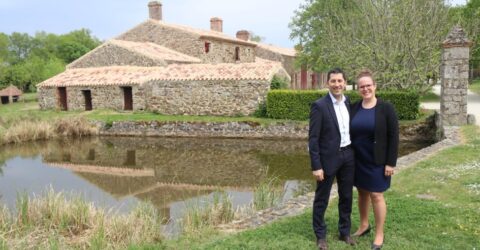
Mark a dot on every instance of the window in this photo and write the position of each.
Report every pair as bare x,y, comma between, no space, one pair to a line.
207,47
237,54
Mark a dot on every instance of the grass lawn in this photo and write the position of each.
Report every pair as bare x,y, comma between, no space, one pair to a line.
475,86
430,97
28,108
432,205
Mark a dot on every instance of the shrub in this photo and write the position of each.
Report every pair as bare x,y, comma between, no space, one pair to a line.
278,83
261,111
295,104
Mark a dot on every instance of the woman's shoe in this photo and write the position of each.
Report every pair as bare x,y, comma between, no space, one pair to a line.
367,231
376,247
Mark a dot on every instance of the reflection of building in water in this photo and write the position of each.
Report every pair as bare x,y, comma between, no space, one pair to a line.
166,170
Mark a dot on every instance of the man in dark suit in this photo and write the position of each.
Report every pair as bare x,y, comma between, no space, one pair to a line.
332,156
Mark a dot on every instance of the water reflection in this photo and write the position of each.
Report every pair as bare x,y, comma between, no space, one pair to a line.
120,171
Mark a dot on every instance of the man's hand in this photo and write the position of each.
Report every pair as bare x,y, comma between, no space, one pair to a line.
318,174
389,170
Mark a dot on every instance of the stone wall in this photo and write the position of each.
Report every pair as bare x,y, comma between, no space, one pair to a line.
110,55
214,97
206,129
288,62
422,131
47,98
103,97
189,43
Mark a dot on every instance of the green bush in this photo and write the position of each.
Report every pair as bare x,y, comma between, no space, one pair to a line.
278,83
295,104
261,111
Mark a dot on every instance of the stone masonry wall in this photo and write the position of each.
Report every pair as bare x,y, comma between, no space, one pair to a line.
282,130
47,98
110,54
288,62
188,43
214,97
205,129
224,52
103,97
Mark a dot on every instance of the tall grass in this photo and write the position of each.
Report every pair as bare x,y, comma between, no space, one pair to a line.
74,127
202,215
267,194
22,130
55,222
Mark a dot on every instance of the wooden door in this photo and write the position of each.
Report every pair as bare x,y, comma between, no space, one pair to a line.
88,99
62,95
127,98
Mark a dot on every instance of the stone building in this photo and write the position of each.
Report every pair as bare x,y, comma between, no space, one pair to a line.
10,94
170,69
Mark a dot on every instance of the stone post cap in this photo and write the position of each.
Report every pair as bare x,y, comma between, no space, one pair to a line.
456,38
243,35
154,3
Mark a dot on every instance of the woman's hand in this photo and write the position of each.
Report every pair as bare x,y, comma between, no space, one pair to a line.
389,170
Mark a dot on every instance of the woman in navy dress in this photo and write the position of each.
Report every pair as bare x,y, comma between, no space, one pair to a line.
374,133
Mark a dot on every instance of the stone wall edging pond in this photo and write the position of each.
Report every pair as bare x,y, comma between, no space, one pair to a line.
245,129
205,129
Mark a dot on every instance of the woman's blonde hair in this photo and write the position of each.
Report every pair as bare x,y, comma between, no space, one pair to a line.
366,73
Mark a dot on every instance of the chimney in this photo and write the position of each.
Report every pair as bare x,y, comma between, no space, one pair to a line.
216,24
243,35
155,10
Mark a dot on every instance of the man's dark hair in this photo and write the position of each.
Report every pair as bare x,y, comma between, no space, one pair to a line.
336,71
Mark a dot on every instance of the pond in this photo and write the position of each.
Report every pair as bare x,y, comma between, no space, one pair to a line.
118,172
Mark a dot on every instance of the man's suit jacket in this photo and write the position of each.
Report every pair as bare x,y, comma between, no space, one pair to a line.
386,132
324,135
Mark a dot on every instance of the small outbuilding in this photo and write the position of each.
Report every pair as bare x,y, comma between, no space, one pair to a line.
10,94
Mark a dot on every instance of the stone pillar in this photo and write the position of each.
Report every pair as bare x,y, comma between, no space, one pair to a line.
155,10
454,78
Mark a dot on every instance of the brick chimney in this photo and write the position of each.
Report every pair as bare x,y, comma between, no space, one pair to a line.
243,35
155,10
216,24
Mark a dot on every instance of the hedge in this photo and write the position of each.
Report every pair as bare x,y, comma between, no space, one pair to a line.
295,104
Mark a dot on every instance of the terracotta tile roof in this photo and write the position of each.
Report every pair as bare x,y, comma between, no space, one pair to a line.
10,91
203,33
222,71
279,50
128,75
155,51
114,75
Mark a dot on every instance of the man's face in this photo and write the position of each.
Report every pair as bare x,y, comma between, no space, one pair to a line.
336,84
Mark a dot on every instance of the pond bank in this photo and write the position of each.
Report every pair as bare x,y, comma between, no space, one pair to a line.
424,130
298,205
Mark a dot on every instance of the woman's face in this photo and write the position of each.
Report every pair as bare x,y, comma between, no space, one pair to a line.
366,87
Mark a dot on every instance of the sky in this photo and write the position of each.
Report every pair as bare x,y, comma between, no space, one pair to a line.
107,19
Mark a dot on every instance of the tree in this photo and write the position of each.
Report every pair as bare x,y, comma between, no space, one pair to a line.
398,40
256,38
468,17
75,44
26,61
20,46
